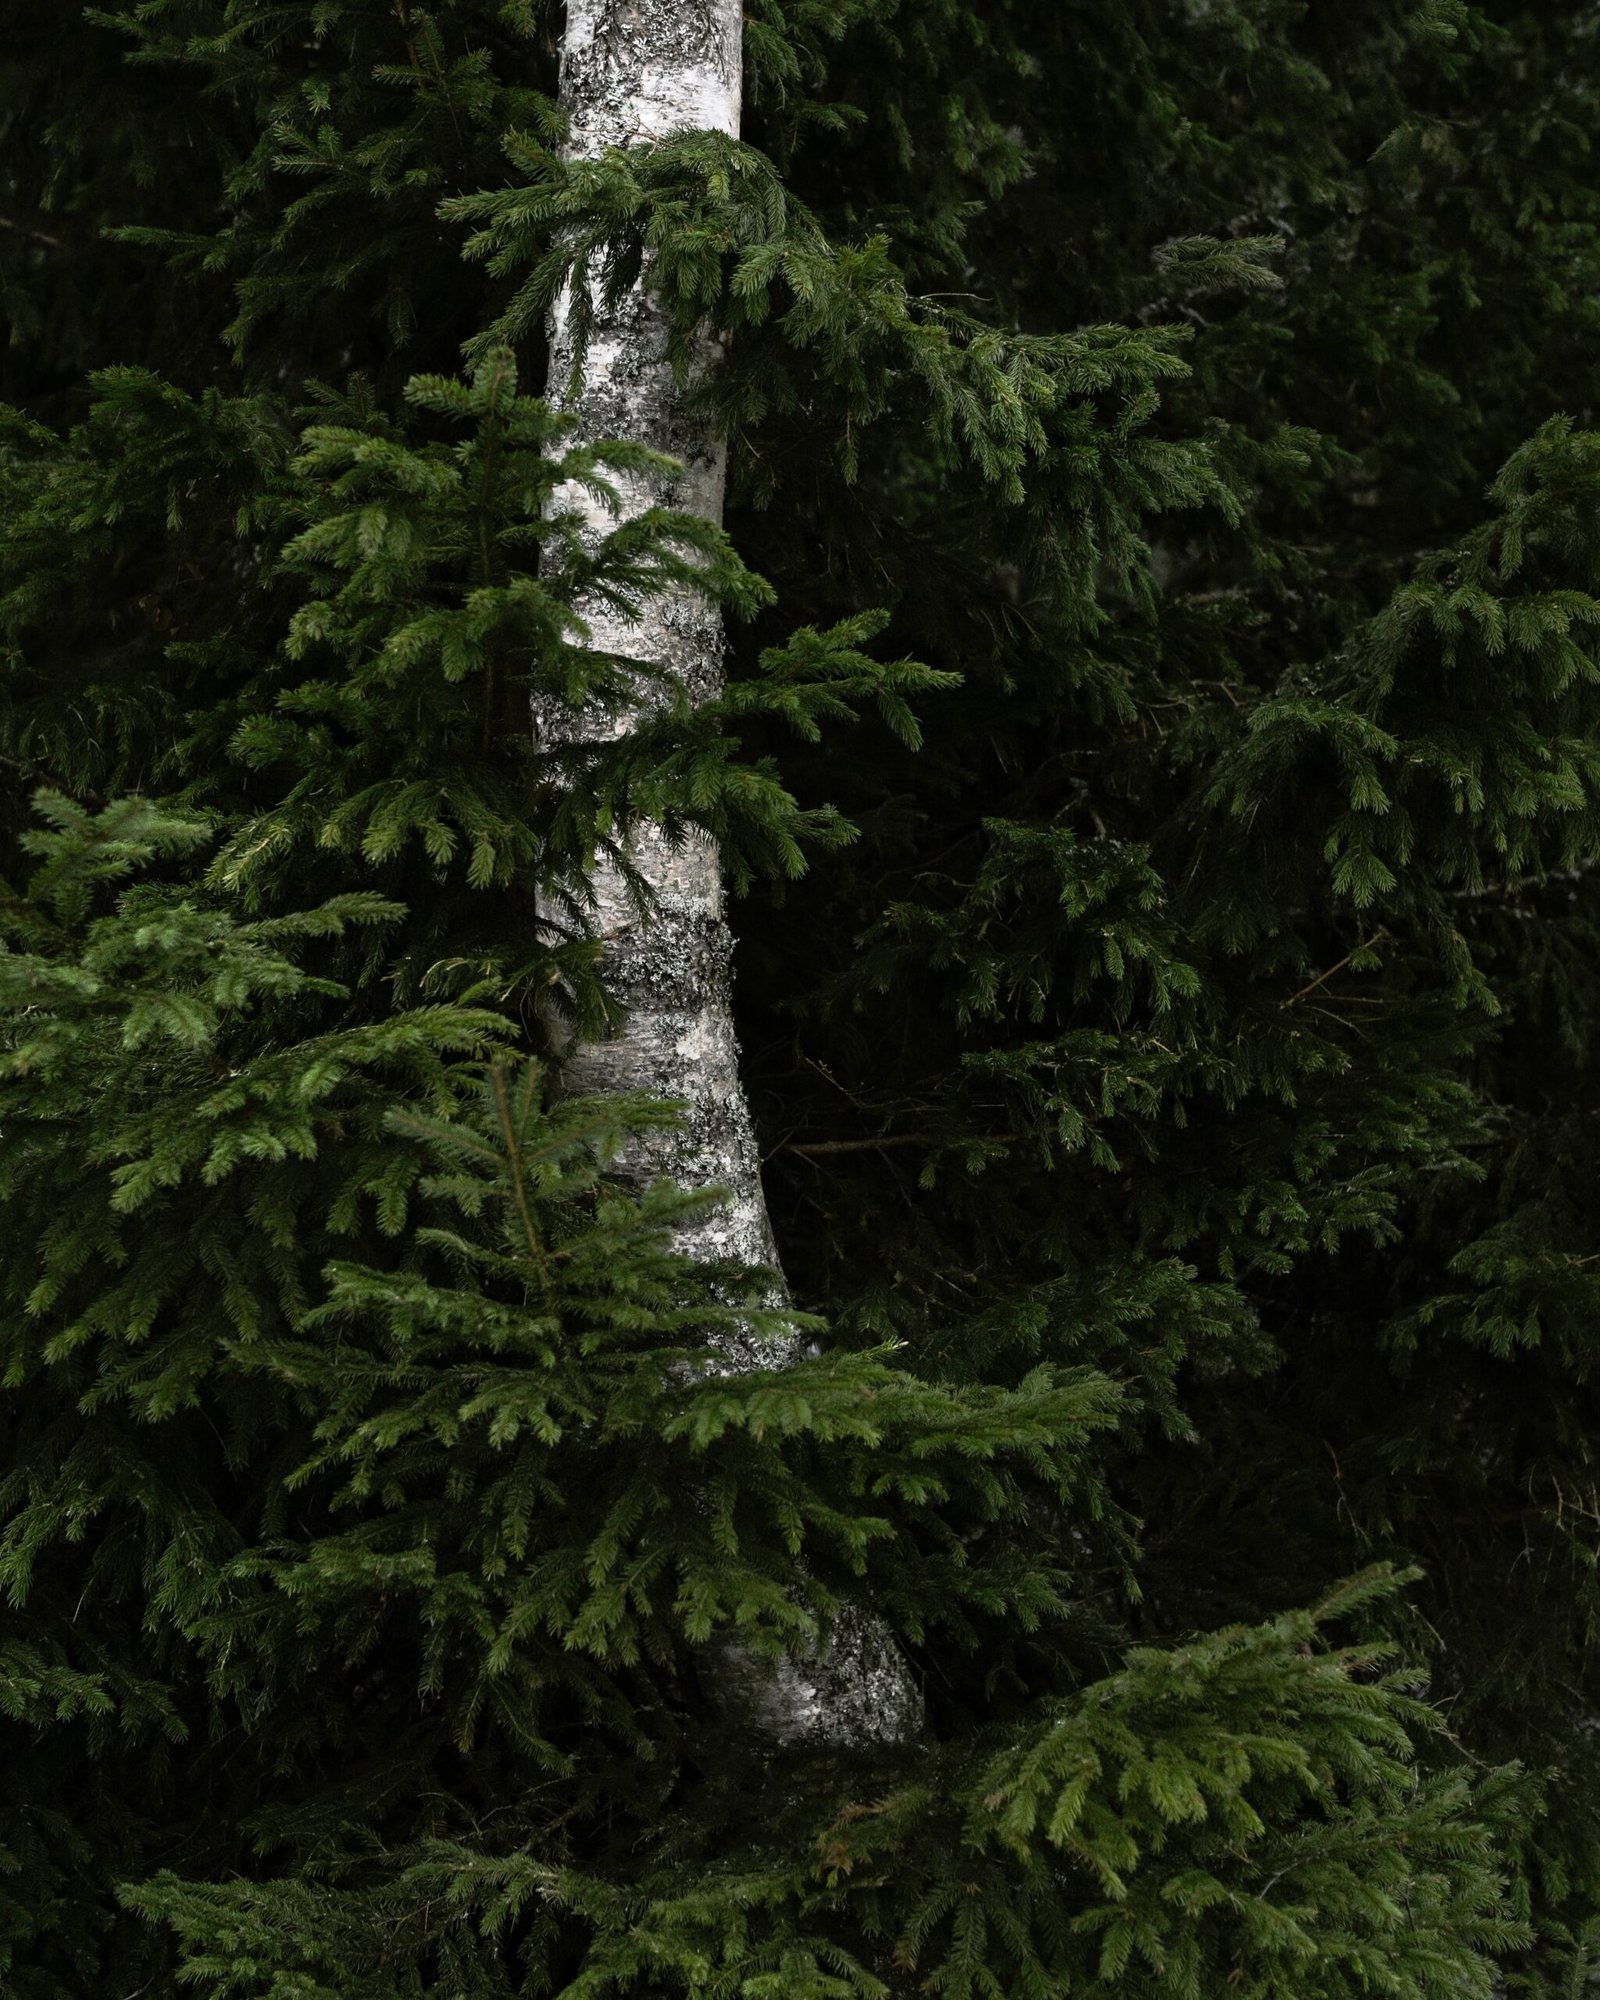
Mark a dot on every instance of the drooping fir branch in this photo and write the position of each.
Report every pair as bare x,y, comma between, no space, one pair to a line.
725,244
1243,1810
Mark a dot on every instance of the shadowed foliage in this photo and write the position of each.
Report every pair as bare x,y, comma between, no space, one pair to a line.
1160,764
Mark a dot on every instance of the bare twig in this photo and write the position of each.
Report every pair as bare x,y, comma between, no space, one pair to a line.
1322,978
815,1147
27,229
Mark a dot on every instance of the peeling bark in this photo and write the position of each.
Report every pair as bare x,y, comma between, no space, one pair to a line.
635,71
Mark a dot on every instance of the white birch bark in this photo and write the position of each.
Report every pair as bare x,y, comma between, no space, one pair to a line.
635,71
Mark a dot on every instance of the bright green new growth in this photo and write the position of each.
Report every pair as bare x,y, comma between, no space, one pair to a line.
1159,761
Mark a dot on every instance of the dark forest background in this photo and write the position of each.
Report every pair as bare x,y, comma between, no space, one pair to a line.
1160,763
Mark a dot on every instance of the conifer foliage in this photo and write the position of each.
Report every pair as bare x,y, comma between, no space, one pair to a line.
1160,761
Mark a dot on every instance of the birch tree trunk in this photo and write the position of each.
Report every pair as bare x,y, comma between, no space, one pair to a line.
632,72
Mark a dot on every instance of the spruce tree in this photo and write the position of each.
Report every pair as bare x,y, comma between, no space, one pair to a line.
1157,760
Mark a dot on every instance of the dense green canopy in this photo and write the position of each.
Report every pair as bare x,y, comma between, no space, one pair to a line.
1161,760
